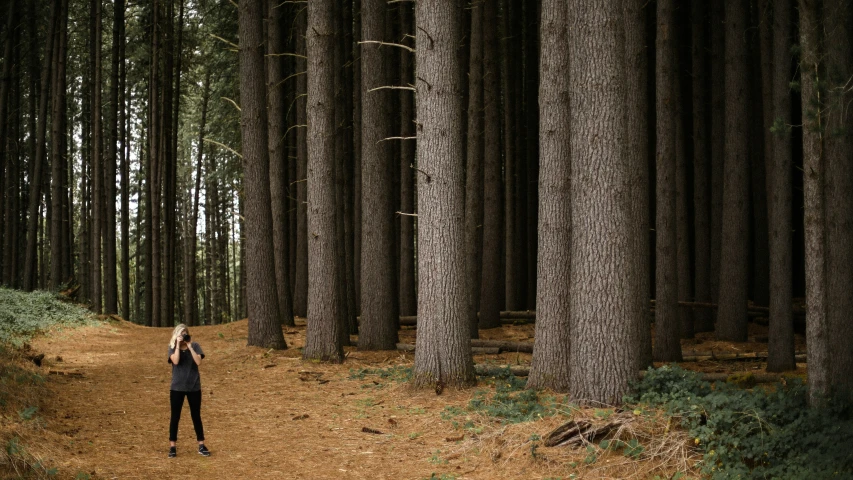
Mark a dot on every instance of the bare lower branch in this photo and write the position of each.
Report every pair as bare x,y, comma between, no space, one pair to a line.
397,138
226,147
285,55
405,47
225,41
407,214
392,87
232,103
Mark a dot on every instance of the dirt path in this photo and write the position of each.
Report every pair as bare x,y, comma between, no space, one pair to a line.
266,414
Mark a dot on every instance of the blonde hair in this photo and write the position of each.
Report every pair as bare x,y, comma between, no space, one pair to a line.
175,334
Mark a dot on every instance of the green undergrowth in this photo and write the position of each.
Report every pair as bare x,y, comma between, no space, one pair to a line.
22,383
510,402
753,434
24,315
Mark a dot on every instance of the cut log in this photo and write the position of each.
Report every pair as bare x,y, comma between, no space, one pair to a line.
740,378
504,346
409,347
705,356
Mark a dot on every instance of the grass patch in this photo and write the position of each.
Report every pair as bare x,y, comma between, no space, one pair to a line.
759,433
24,315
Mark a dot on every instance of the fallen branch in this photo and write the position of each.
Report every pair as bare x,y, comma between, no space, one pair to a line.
580,432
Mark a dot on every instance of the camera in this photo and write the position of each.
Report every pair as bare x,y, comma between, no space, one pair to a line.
186,337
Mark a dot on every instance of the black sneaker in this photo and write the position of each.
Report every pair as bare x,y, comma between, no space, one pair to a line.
203,451
173,452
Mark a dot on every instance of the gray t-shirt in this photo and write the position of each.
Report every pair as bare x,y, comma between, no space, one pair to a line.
185,377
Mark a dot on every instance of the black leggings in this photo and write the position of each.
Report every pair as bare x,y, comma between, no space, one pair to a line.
177,401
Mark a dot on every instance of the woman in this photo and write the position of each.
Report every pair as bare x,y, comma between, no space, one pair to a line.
185,358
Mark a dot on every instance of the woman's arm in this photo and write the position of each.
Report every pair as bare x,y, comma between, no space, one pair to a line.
196,356
175,357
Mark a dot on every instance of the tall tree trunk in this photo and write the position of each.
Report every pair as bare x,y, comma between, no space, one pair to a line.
759,153
261,292
734,255
474,172
511,250
300,292
154,174
838,145
190,275
379,296
110,254
492,286
408,299
531,86
167,163
356,151
814,206
551,365
323,337
57,134
781,343
601,315
5,85
718,136
701,171
637,100
443,354
264,318
97,161
667,345
682,220
278,157
124,166
30,263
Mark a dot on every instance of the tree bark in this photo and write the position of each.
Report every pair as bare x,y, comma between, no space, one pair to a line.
734,255
110,254
718,142
602,358
838,145
190,285
474,172
124,166
300,291
814,207
704,319
443,354
261,293
278,157
492,286
153,293
323,336
408,298
667,344
781,335
638,147
551,365
511,250
5,86
57,133
379,296
30,261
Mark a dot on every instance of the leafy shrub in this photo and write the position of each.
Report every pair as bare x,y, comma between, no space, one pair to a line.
23,315
760,433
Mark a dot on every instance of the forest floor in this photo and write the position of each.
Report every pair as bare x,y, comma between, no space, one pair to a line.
268,414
